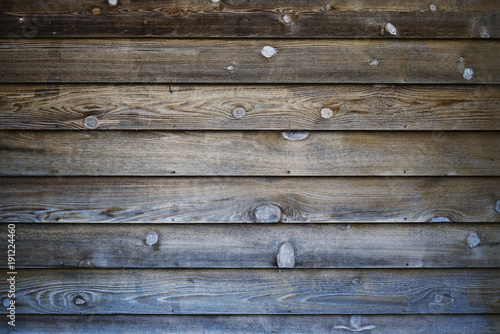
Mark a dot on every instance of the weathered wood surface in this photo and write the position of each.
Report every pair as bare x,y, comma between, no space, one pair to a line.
254,246
236,199
257,291
321,153
250,107
278,324
311,19
243,61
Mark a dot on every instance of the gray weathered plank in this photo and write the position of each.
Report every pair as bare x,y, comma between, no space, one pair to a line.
278,324
321,153
254,246
249,107
257,291
311,19
242,61
236,199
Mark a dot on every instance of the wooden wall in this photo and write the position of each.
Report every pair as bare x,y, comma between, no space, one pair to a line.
265,166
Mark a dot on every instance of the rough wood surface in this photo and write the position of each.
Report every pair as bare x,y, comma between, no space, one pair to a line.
311,19
257,291
243,61
161,153
236,199
278,324
254,246
250,107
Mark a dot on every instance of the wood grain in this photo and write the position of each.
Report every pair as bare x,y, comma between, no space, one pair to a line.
264,291
282,324
277,107
311,19
254,246
240,61
159,153
235,199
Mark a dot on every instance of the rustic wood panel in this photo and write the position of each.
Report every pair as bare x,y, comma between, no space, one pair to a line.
250,107
243,61
255,246
311,19
264,291
248,153
278,324
237,199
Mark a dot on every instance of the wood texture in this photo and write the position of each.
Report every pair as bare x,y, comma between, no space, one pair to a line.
203,107
225,200
311,19
254,246
241,61
46,153
281,324
238,291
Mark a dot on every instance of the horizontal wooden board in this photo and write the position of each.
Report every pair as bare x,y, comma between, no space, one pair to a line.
292,18
236,199
321,153
282,324
243,61
254,246
250,107
257,291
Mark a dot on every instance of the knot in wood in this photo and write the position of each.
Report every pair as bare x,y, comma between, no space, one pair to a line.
268,51
468,73
151,238
326,113
91,122
391,29
473,240
497,207
295,135
268,214
96,11
286,256
79,300
5,302
239,112
440,220
484,33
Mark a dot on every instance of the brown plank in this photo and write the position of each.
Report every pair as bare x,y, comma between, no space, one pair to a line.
257,291
242,61
250,324
254,246
237,199
158,153
249,107
293,18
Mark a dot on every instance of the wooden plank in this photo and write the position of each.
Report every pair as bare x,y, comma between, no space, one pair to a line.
293,18
248,153
202,107
237,199
283,324
243,61
257,291
254,246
